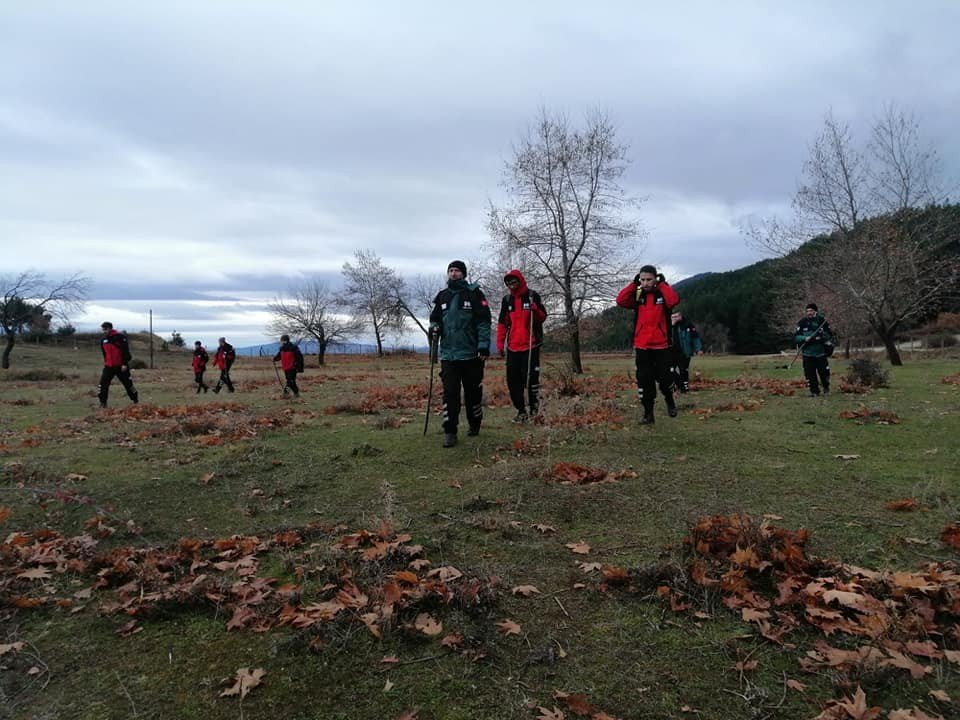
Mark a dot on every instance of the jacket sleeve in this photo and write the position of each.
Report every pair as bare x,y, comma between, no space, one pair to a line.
124,349
503,324
277,356
483,319
627,298
800,335
696,343
670,296
536,305
436,315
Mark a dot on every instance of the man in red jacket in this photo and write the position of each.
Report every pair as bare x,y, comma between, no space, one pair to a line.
200,359
291,361
223,359
651,298
116,363
519,336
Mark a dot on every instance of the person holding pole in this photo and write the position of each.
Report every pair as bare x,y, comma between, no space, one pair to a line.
814,340
461,320
519,337
223,359
291,362
116,364
651,298
200,359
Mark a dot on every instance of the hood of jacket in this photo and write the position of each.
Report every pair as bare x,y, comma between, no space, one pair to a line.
519,289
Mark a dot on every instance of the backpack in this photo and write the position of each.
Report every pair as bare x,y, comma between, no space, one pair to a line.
298,359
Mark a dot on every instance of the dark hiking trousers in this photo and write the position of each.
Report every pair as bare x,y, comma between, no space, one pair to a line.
817,372
517,363
291,377
683,371
467,374
654,368
108,374
225,378
198,379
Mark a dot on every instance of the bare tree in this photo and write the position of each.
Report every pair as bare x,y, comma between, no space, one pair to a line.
881,243
414,298
30,300
567,224
371,293
310,312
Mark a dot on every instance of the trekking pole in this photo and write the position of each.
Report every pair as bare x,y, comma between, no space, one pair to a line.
283,385
434,341
530,350
803,345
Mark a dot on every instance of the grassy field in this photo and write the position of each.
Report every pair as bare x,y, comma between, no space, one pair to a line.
153,551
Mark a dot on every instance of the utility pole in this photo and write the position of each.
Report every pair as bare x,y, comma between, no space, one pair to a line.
151,339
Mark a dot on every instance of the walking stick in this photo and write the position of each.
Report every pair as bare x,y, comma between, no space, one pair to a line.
283,385
530,348
434,341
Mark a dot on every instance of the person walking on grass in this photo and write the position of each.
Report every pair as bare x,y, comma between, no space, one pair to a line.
651,298
814,340
291,362
519,336
223,359
116,364
461,319
686,343
200,359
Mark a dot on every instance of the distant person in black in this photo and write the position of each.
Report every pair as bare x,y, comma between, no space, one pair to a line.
291,361
116,363
224,360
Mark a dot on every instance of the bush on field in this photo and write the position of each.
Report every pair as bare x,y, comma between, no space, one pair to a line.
138,364
866,372
35,375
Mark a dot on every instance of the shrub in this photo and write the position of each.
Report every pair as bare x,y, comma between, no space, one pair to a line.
35,375
138,364
867,372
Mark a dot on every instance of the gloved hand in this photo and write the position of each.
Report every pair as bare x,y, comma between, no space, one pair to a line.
661,278
483,352
434,329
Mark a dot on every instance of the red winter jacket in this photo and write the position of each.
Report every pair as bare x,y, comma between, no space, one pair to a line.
116,352
290,357
652,331
513,326
200,358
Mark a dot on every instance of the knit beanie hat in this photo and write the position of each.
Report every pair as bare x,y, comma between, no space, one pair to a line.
460,265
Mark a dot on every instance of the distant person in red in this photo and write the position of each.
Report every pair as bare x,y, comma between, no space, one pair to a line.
200,359
223,359
519,336
291,362
651,298
116,363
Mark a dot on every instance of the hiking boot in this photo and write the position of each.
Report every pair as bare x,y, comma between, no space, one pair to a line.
521,417
473,431
826,390
216,390
647,419
449,439
671,407
205,388
103,405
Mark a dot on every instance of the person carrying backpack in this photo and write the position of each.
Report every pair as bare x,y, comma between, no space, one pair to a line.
815,340
461,318
519,336
116,364
200,359
223,359
291,362
651,298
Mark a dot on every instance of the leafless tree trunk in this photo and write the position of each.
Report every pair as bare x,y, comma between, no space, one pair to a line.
567,223
29,299
881,247
310,311
371,292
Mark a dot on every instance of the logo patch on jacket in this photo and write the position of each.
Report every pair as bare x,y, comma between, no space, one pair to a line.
467,305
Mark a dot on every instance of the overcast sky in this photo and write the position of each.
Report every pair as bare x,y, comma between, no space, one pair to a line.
198,158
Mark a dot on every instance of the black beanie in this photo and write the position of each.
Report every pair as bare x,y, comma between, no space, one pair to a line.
460,265
812,306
